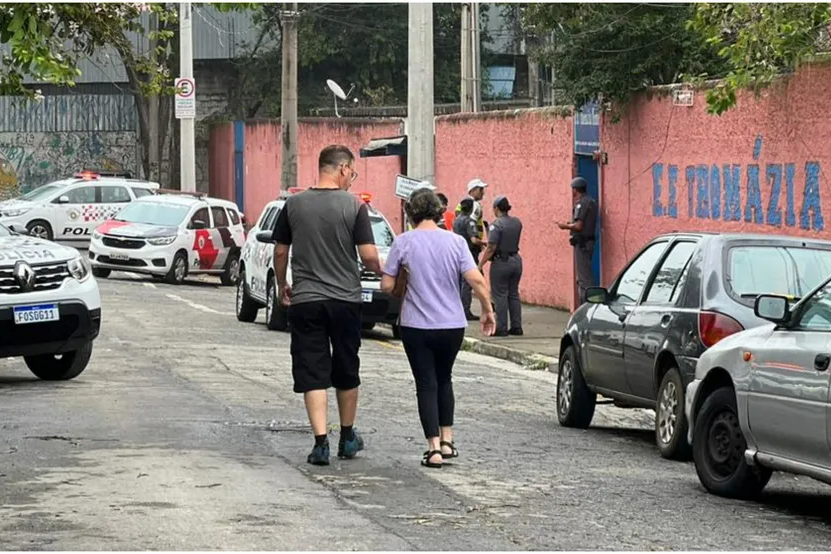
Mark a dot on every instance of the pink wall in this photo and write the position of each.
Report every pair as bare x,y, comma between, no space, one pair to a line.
221,161
527,156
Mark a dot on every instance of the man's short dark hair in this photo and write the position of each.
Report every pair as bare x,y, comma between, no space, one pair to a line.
466,206
333,156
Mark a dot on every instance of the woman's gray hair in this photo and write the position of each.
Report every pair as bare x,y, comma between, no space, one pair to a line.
423,205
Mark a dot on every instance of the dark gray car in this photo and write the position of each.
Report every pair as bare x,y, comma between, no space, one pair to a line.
638,342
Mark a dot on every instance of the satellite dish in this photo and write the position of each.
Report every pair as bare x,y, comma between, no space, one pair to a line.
338,92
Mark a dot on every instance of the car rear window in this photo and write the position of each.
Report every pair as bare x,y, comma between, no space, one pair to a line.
382,232
788,270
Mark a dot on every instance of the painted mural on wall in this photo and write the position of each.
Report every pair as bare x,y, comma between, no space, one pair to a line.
28,160
758,193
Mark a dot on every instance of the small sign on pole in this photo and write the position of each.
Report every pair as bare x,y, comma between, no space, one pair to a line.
404,186
185,105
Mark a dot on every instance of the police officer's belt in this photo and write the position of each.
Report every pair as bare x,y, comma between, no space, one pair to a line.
502,256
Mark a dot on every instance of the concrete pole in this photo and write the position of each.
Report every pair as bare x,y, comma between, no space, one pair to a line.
476,61
288,100
421,145
465,96
188,136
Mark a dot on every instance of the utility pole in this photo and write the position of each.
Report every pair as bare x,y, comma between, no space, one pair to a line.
476,62
153,147
288,100
188,136
467,54
421,145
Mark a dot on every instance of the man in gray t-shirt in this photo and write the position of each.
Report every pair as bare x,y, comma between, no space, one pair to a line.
328,229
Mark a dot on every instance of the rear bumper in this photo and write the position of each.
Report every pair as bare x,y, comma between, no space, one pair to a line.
77,326
384,308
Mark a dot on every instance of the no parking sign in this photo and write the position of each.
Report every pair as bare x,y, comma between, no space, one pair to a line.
185,98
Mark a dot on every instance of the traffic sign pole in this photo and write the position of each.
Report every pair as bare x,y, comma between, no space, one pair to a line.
186,117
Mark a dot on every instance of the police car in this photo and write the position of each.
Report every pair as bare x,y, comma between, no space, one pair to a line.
257,286
169,235
50,308
69,210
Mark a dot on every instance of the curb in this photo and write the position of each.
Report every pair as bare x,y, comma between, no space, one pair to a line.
529,360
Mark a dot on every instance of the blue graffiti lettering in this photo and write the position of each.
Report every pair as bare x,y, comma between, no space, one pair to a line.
715,193
810,199
774,176
703,186
657,207
754,196
690,171
732,192
673,179
790,215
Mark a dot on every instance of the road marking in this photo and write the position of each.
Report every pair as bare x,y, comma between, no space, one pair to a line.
196,306
149,285
387,345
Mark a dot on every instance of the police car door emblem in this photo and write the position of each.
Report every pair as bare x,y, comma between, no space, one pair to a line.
73,215
25,276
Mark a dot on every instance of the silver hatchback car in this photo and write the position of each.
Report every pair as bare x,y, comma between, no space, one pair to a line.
760,398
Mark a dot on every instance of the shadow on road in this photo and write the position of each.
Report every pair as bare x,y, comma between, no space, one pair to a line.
642,436
813,505
147,279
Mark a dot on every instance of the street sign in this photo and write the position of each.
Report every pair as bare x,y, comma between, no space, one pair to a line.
404,186
587,129
683,97
185,98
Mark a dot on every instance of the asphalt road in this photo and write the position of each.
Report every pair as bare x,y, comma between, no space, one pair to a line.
183,434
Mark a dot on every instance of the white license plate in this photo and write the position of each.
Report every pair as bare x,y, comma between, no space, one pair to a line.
123,257
366,296
36,314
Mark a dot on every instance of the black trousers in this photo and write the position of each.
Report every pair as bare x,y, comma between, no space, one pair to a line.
467,292
432,354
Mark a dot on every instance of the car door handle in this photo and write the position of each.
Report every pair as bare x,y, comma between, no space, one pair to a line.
666,320
821,362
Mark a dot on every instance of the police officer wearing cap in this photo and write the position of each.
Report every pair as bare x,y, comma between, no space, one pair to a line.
582,228
506,267
476,191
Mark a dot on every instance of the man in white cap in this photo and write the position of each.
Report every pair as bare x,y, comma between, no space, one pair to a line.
476,191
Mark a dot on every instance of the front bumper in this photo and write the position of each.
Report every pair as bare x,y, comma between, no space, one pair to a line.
690,399
155,260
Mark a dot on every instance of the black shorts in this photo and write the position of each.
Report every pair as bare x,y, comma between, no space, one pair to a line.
325,339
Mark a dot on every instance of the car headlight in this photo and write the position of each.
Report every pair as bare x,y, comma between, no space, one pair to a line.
79,269
162,241
14,212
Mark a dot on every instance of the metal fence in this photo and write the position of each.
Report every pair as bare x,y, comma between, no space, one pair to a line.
68,113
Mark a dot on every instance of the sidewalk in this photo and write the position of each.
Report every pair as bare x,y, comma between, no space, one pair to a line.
538,348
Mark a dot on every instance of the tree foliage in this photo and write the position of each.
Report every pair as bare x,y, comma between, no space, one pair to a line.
759,42
615,50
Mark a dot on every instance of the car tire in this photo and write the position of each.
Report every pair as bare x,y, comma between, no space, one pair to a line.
101,272
178,269
276,316
575,402
719,447
670,418
231,275
247,308
40,228
50,367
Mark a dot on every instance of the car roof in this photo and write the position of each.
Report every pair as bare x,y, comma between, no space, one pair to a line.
75,182
185,199
745,237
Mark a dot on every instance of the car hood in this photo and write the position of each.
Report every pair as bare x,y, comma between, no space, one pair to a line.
135,230
16,203
33,250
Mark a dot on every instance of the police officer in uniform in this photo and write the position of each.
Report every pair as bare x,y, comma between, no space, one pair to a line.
465,226
506,267
582,228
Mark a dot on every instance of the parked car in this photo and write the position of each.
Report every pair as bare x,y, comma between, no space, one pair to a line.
760,399
70,209
50,307
638,342
169,236
257,287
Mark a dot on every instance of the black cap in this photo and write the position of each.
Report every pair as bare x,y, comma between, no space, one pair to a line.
579,183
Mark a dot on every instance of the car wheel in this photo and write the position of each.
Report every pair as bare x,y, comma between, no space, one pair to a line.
670,419
719,447
575,402
178,269
247,308
60,367
101,272
232,272
41,229
276,316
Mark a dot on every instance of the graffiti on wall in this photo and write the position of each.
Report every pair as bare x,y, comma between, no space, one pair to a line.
761,194
28,160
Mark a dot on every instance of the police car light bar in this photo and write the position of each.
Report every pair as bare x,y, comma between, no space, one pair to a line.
87,175
365,196
195,194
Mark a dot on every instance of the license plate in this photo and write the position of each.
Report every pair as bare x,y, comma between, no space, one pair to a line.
36,314
123,257
366,296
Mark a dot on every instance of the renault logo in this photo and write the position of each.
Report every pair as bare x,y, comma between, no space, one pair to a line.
25,276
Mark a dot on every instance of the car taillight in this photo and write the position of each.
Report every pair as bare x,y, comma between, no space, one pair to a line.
713,326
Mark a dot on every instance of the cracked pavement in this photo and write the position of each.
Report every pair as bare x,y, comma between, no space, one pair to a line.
183,434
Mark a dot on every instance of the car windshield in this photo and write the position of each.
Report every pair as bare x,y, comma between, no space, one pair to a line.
382,232
153,213
41,193
787,270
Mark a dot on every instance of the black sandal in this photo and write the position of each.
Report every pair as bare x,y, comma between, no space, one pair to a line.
429,454
453,452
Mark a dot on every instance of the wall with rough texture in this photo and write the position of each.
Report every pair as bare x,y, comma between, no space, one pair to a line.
221,161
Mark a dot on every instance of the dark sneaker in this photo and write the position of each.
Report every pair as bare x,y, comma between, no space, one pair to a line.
517,332
348,449
500,334
319,455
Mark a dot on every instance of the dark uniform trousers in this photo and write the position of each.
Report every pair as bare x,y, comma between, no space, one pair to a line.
467,292
583,263
505,273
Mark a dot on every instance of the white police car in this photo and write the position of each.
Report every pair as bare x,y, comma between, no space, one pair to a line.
257,287
50,307
170,235
69,210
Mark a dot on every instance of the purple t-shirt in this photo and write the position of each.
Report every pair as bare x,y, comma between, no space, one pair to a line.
436,261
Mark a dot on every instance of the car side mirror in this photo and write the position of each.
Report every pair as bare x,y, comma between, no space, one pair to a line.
597,295
772,307
63,200
266,237
198,224
18,229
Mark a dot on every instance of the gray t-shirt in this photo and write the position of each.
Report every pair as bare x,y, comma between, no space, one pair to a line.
324,227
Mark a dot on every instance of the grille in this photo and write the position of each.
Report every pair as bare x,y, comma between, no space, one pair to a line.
131,244
47,277
131,263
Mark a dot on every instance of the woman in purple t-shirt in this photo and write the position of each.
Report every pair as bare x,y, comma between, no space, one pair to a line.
433,321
